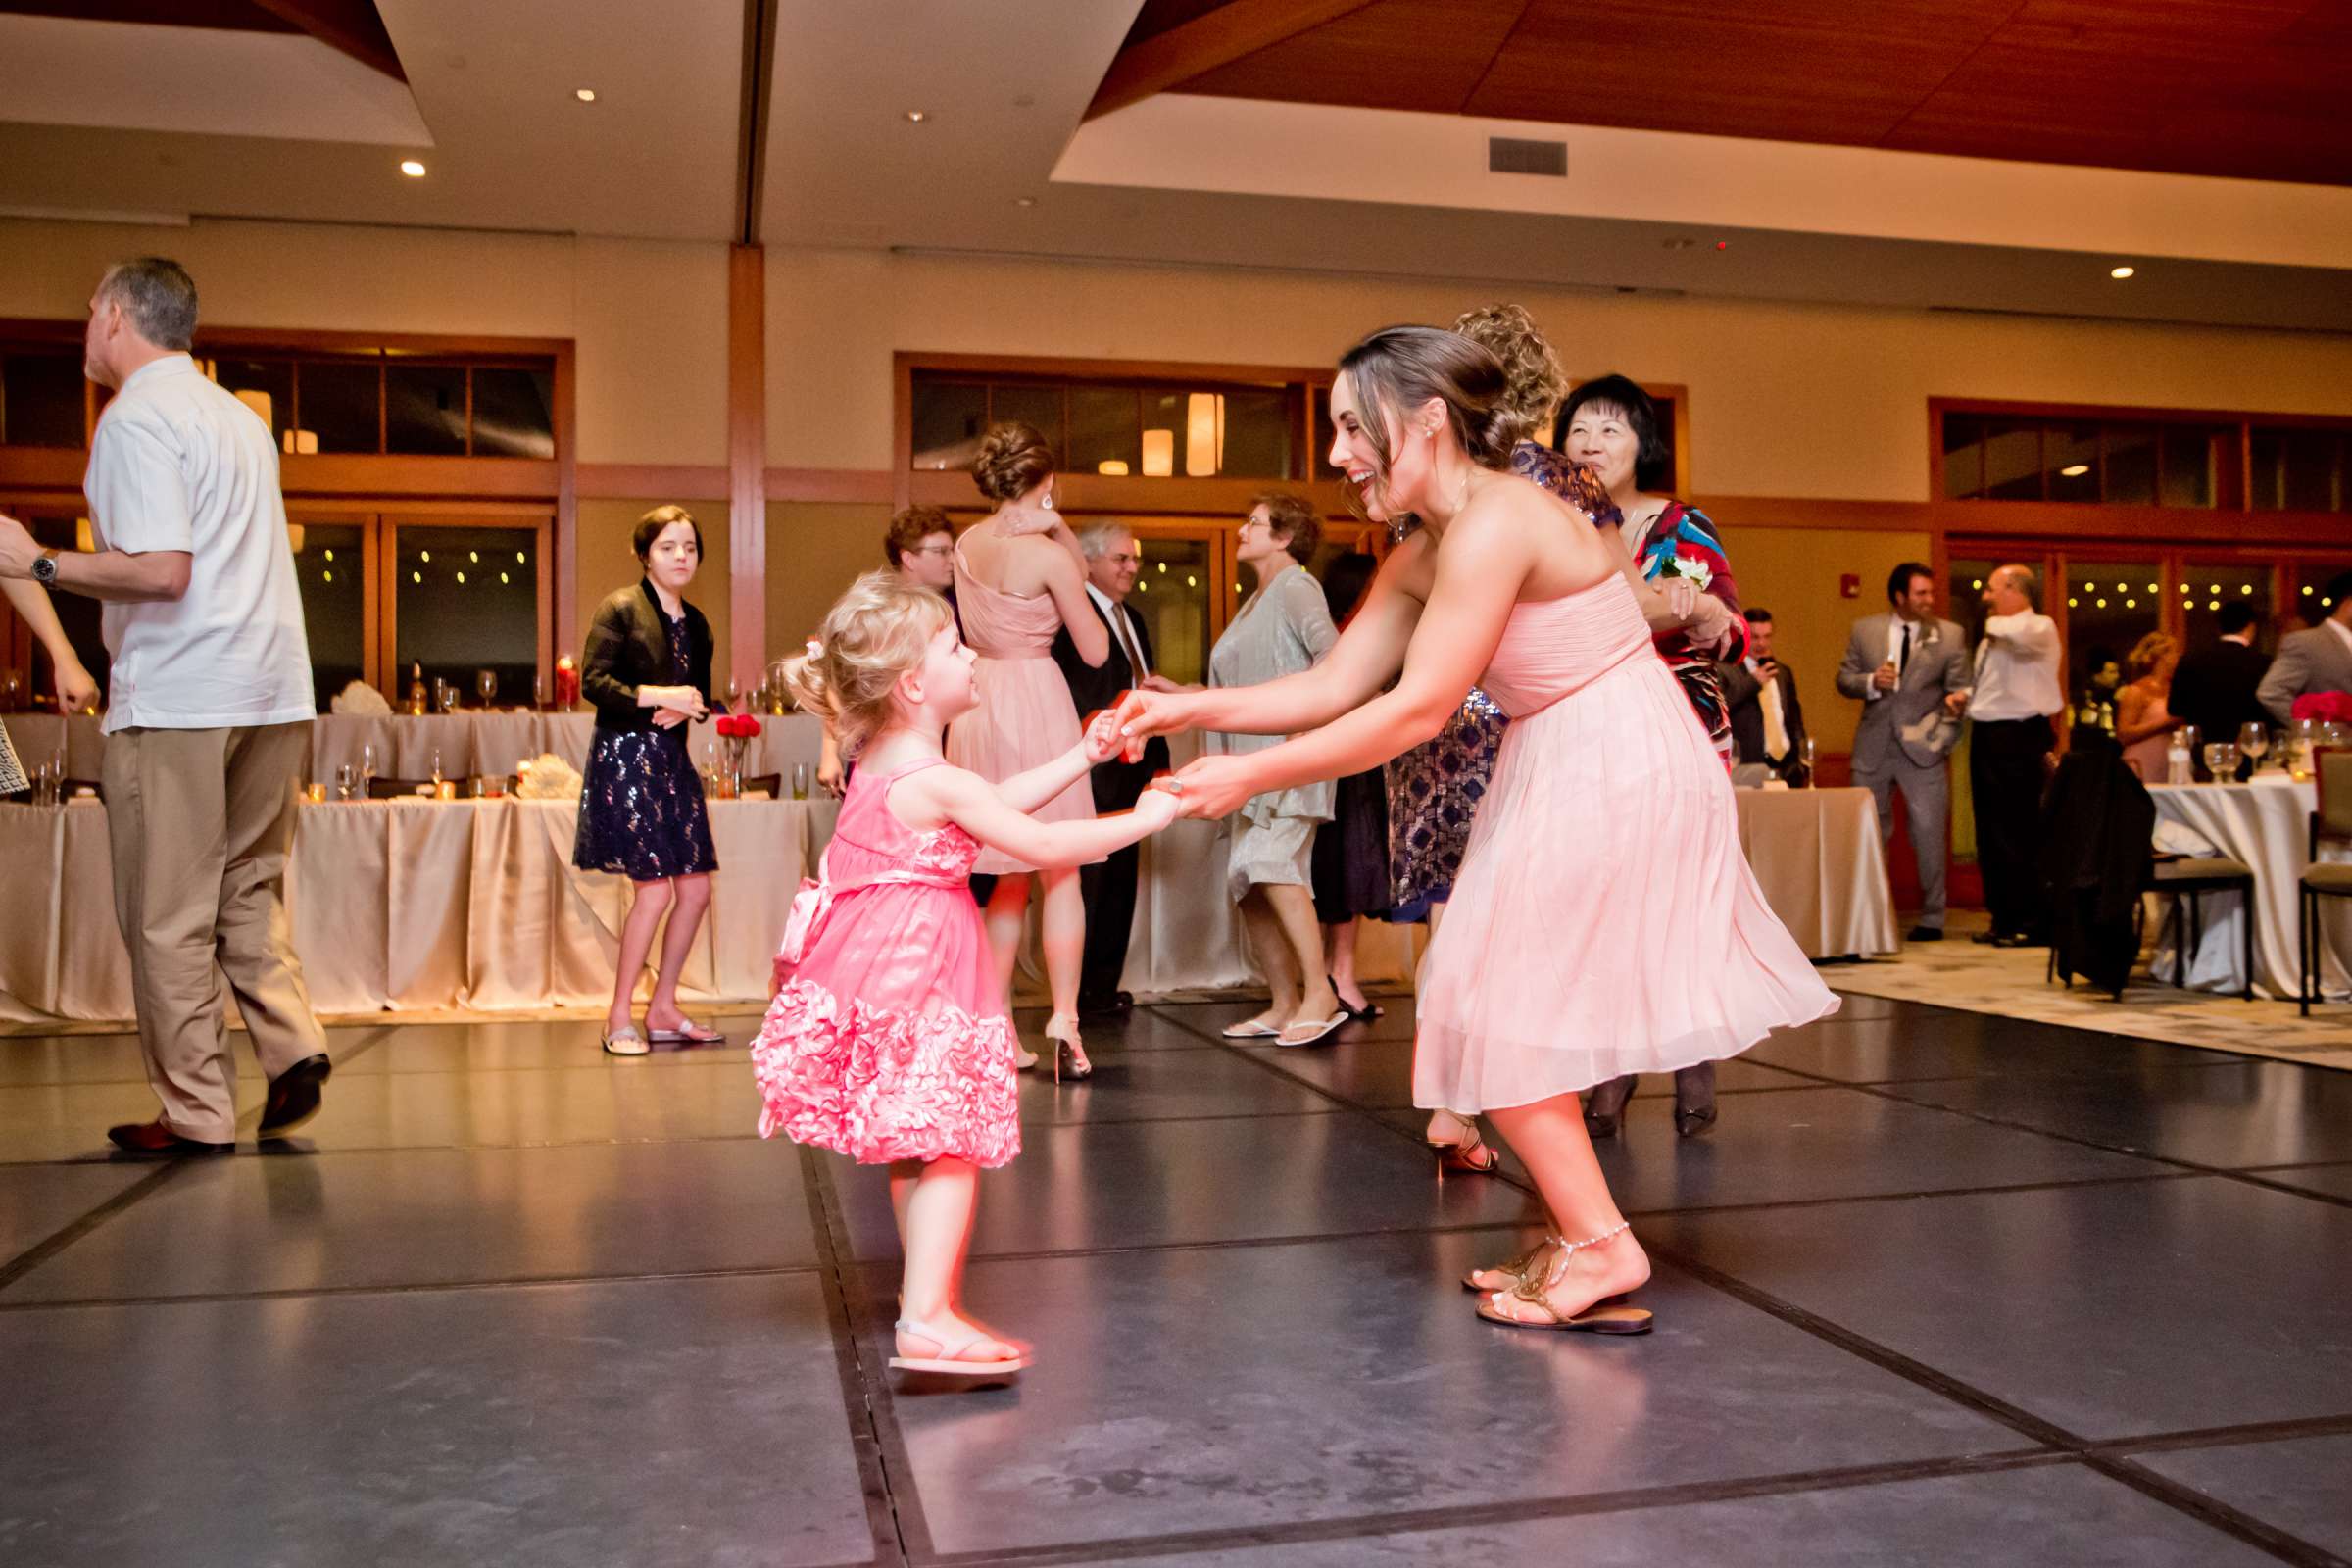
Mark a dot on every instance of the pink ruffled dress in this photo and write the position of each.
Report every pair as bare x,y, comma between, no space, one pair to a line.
888,1039
1027,716
1606,921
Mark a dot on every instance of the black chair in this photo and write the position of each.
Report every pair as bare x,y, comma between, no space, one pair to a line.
2332,822
2186,880
398,789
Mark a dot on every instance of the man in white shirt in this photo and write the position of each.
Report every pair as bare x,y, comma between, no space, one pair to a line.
2318,659
208,711
2016,692
1112,558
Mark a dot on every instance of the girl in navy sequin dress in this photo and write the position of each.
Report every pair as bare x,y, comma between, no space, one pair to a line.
647,668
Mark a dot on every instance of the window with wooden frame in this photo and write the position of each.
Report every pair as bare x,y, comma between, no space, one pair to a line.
429,487
2117,455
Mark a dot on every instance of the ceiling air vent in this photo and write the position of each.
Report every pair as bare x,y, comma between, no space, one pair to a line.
1508,155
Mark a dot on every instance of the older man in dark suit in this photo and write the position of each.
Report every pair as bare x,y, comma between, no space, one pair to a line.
1112,558
1908,666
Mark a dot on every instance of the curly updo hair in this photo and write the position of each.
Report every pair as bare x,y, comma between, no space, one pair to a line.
873,635
1534,382
1013,458
1398,368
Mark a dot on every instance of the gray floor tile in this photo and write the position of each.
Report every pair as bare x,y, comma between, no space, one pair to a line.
2297,1486
1147,1028
1147,1184
2113,1310
508,1046
1364,1385
1379,1073
687,1422
36,1201
2335,1181
1932,1043
69,1120
297,1222
116,1059
2049,1514
2240,1113
1158,1085
605,1100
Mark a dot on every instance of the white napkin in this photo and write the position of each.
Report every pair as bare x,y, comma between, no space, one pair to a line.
361,699
547,777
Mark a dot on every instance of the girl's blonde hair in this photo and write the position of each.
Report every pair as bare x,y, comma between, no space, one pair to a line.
872,635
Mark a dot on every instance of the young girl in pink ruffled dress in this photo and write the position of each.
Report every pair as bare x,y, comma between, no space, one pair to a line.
888,1039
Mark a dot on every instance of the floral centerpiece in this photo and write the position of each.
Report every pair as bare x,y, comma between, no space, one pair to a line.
736,731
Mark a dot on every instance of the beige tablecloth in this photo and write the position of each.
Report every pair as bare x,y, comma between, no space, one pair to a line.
467,742
1817,856
414,906
2265,823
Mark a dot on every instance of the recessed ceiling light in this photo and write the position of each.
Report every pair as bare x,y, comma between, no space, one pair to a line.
412,167
586,95
2073,470
2120,271
1024,201
916,115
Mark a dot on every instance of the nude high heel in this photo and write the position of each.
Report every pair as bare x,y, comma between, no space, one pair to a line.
1069,1051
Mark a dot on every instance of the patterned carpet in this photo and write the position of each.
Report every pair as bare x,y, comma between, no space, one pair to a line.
1959,973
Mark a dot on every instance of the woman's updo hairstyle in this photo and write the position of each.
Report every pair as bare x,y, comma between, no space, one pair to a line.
1534,382
1397,369
1013,460
873,635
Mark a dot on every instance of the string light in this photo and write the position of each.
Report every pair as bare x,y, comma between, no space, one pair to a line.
416,576
474,556
425,555
326,577
502,578
461,576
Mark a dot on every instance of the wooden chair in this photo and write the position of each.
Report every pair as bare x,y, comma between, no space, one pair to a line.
770,785
2330,823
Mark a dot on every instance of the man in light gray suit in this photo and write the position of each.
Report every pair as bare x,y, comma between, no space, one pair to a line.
1911,672
2315,660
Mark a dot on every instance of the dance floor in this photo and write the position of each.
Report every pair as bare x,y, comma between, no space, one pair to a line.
1942,1288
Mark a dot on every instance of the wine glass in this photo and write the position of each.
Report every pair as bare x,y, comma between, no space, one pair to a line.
366,768
734,692
12,687
485,686
2221,761
447,691
436,770
2254,739
539,692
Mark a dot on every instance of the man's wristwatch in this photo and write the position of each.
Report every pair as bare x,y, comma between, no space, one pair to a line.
44,568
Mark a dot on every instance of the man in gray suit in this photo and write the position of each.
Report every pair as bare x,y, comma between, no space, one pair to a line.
2315,660
1911,672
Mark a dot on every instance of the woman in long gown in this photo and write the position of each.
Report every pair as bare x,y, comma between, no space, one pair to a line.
1605,921
1020,579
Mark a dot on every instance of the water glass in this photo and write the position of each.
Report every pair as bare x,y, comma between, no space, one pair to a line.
2221,761
800,781
44,784
347,778
1805,754
436,769
446,691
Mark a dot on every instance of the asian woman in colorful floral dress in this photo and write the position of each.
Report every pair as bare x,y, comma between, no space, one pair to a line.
888,1039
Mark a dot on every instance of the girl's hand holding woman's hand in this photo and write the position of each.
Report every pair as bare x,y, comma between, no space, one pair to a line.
1211,786
1102,741
1157,809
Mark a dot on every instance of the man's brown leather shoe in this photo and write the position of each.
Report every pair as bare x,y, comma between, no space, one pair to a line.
293,1097
152,1139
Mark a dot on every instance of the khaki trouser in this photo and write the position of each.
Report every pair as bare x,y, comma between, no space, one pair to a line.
201,822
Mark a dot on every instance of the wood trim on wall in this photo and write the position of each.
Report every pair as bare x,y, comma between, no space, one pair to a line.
655,481
747,462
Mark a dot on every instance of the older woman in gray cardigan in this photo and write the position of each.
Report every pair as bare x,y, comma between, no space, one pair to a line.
1283,627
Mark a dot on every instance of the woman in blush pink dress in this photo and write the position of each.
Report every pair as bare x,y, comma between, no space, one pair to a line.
1605,921
1020,577
887,1040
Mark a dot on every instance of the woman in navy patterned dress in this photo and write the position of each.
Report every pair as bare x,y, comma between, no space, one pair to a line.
647,669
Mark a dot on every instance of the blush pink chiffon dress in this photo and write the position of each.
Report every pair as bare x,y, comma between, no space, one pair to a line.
1605,921
888,1039
1027,716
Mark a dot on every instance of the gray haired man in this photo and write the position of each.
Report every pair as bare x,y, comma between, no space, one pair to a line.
208,716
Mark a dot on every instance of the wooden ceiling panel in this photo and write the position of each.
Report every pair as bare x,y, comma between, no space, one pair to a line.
1846,71
2251,89
241,15
1424,55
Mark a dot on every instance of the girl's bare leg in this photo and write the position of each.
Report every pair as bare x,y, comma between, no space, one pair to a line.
636,942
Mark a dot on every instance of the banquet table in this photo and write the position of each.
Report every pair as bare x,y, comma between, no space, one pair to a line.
471,741
414,906
1818,857
2265,822
417,905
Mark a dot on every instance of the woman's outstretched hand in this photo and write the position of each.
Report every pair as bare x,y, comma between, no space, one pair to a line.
1211,786
1145,712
